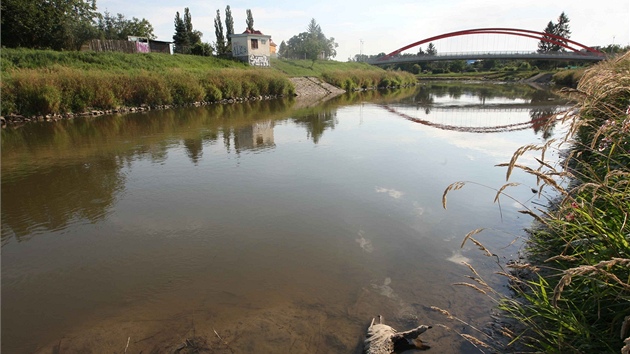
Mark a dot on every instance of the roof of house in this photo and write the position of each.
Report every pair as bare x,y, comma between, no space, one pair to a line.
248,31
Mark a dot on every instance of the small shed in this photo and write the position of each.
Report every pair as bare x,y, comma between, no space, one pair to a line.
252,47
161,47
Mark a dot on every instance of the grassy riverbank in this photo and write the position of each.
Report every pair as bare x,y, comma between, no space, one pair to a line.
560,77
579,301
348,76
574,294
496,75
40,82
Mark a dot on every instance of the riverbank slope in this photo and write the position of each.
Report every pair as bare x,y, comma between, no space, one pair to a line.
44,84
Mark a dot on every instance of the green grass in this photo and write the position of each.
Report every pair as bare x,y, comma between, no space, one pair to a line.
110,61
348,76
308,68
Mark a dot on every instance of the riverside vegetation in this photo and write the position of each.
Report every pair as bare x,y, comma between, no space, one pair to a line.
41,82
574,294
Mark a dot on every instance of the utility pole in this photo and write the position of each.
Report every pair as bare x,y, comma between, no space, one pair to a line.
361,50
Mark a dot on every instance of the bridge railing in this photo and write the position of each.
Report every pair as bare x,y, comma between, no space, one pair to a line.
528,52
488,55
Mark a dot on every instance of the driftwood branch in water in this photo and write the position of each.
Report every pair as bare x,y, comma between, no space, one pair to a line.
224,342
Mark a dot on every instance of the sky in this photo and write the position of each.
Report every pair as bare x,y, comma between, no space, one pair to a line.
375,26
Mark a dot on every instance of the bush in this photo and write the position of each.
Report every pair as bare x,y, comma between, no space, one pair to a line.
203,49
184,88
569,78
146,89
213,93
43,99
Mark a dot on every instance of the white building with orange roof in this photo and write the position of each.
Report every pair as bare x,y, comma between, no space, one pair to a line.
252,47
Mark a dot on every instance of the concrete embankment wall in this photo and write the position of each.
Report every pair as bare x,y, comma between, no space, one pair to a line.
311,91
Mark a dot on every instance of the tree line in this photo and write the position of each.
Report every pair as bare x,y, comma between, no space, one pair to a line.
63,24
188,40
68,24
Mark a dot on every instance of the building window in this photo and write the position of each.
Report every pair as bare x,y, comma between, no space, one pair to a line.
263,41
254,43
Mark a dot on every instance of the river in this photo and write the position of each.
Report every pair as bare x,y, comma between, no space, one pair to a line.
262,226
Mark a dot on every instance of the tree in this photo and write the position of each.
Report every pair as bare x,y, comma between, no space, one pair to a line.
56,24
457,66
431,50
360,58
194,37
282,50
311,44
250,20
203,49
614,49
185,36
229,28
120,28
313,28
543,45
180,38
562,30
218,31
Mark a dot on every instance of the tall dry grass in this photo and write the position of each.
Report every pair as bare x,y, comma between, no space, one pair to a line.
574,295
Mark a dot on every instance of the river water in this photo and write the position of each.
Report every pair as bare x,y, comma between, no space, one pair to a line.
264,227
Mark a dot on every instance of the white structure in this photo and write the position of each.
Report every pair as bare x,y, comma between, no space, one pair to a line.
251,47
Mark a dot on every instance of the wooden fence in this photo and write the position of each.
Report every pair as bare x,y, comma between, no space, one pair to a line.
111,45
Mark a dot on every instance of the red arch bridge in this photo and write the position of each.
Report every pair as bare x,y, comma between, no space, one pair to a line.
571,50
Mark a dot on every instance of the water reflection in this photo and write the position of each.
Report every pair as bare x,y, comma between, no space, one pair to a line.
259,135
454,101
49,158
543,115
317,121
229,214
53,198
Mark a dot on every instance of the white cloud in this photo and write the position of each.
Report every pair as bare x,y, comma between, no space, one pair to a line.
391,192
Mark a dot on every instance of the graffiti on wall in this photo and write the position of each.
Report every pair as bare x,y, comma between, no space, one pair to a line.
239,50
142,47
258,60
